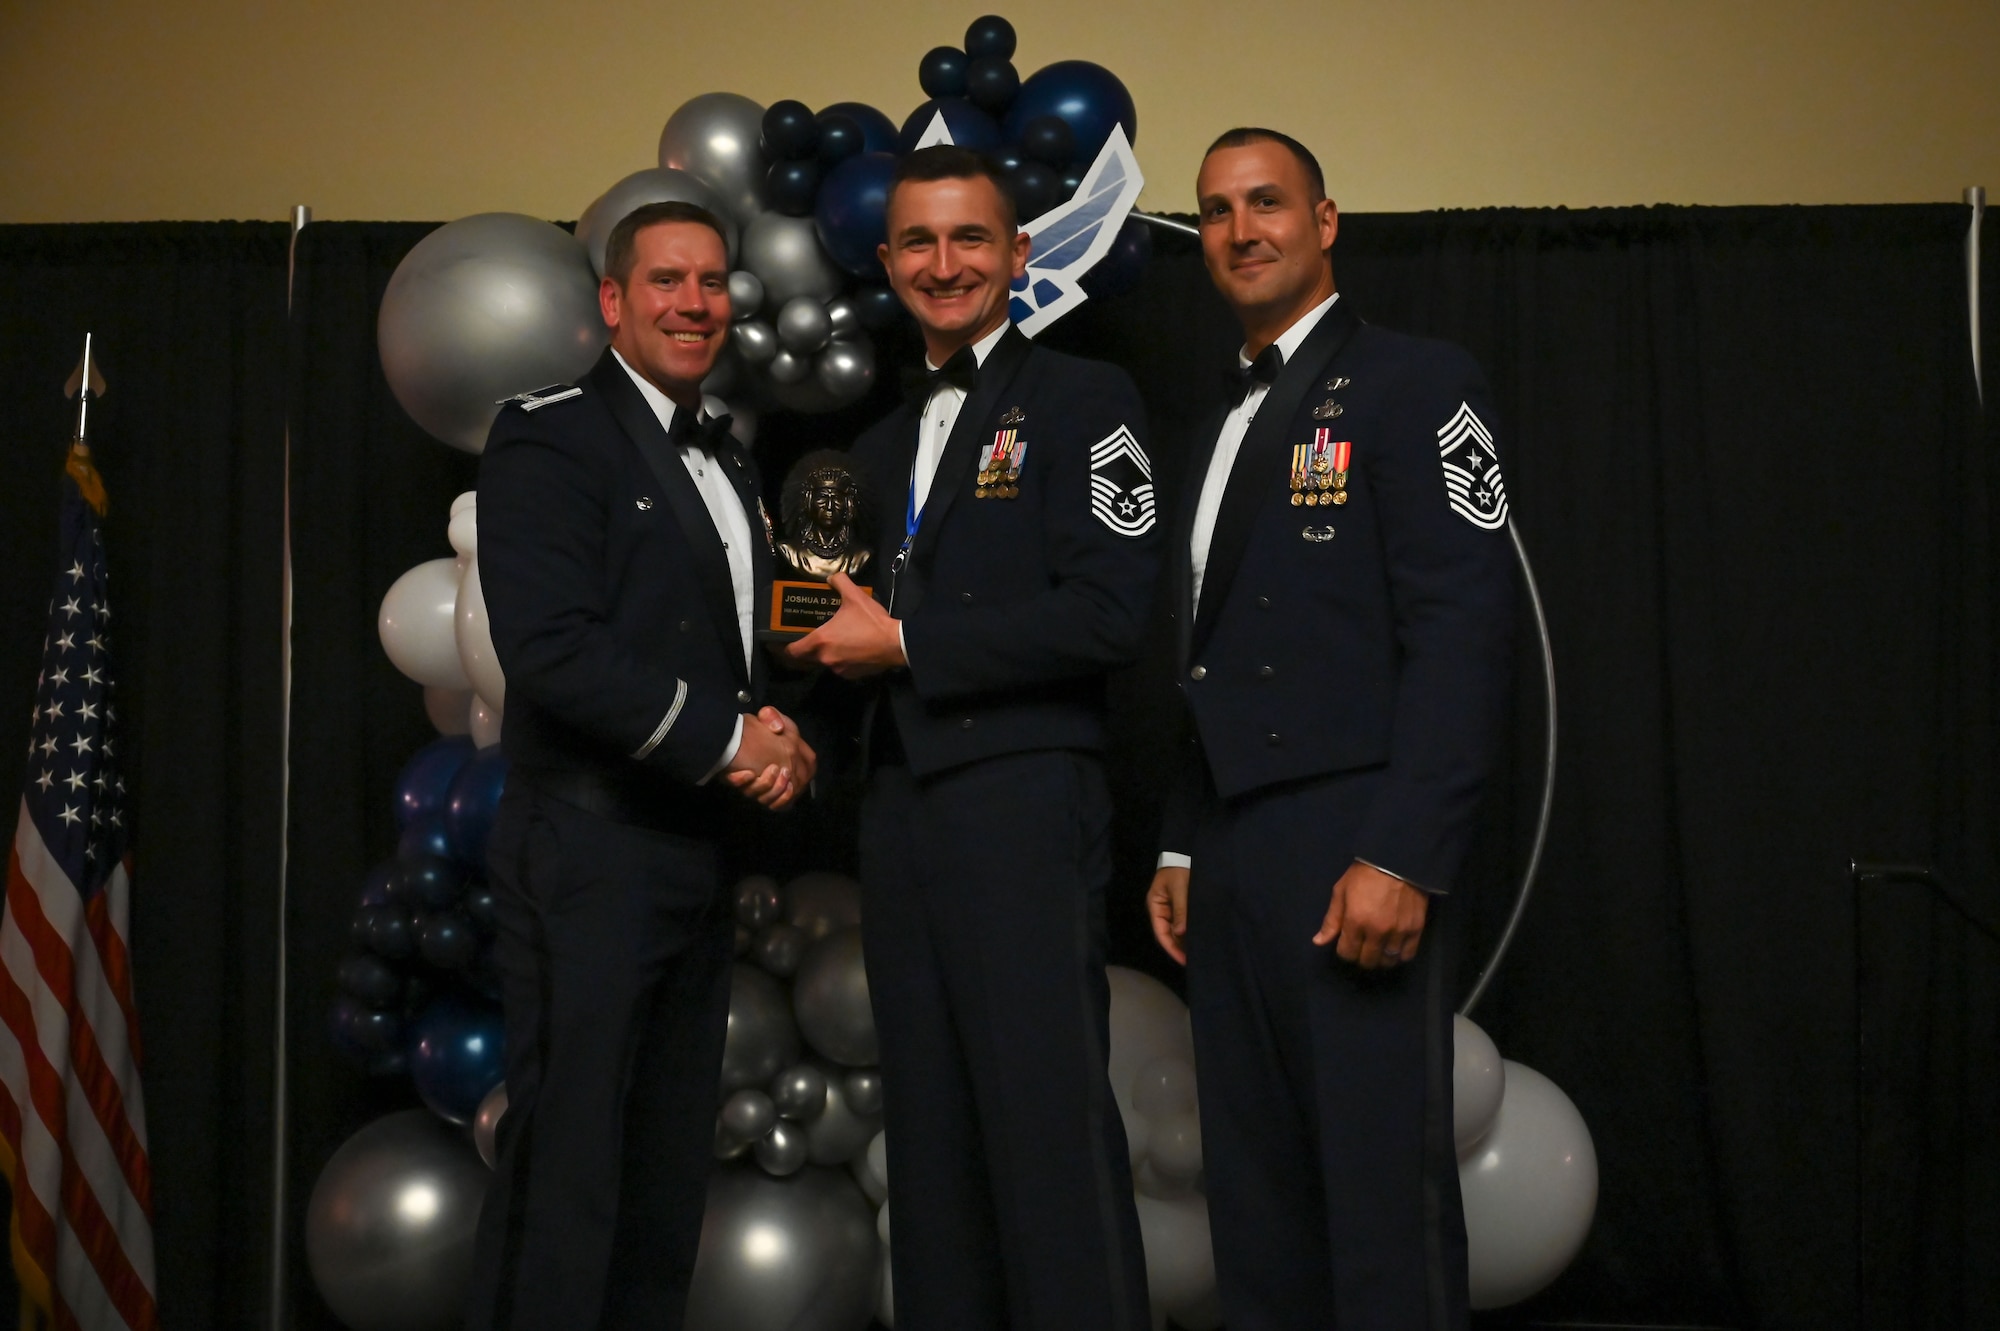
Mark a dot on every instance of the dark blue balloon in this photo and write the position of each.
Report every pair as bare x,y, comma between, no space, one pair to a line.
1089,99
1036,189
371,1038
446,940
1006,159
1049,141
480,907
457,1054
370,979
1072,181
789,187
1124,264
941,73
475,796
431,883
422,784
970,127
839,139
357,927
990,36
991,84
380,886
852,212
878,132
876,307
790,130
424,837
389,933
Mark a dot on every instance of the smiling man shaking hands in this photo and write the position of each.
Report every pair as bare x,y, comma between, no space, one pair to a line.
1014,568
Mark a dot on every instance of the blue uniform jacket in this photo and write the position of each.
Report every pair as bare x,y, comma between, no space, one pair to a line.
608,590
1371,634
1015,607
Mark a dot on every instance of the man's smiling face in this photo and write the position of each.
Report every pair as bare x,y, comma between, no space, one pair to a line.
1265,231
952,257
670,313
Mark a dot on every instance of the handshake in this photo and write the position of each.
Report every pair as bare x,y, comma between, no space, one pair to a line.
773,763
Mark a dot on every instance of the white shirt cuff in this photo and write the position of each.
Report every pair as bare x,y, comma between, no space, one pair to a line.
1173,859
1398,877
728,752
903,643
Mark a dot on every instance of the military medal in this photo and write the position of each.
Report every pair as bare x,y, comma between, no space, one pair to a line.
1327,410
1342,452
1301,480
1014,416
1000,466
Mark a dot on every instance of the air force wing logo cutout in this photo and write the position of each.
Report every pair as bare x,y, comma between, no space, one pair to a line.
1472,471
1066,241
1121,484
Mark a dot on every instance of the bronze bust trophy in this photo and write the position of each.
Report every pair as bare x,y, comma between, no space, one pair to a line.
820,512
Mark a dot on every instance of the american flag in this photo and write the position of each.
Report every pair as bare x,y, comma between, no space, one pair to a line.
72,1119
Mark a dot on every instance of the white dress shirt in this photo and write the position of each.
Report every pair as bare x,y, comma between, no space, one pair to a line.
732,524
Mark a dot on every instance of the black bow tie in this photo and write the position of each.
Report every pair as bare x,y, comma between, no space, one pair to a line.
708,433
1262,370
960,372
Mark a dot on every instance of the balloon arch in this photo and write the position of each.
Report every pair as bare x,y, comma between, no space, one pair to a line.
499,304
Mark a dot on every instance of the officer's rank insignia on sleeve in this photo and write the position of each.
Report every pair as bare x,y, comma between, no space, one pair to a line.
1000,466
1472,470
541,397
1121,484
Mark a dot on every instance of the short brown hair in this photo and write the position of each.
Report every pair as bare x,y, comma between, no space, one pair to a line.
1245,135
624,237
948,161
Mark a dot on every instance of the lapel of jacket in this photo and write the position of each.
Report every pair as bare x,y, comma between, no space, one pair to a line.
742,473
961,451
1260,467
1181,553
711,566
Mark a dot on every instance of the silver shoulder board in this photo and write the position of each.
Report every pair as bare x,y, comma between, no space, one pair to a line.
541,397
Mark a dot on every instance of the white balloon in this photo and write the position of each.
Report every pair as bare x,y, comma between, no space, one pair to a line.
463,500
483,723
1478,1080
474,640
415,625
1164,1087
1530,1191
1147,1022
463,530
877,1156
1174,1149
882,1224
885,1298
447,709
1180,1261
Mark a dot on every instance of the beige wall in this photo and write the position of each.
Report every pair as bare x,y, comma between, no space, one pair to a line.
437,108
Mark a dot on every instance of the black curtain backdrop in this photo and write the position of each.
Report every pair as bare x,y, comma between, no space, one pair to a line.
1745,455
190,330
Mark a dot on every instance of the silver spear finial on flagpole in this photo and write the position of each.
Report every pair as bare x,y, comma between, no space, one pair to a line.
86,383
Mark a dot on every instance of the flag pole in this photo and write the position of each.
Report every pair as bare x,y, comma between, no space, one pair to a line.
281,997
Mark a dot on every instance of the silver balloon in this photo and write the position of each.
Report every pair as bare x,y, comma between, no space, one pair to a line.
761,1038
755,341
748,1114
803,325
757,902
727,377
390,1225
782,1150
746,294
819,903
728,1146
805,397
800,1093
789,368
717,136
1530,1191
486,1122
780,948
1478,1082
830,1000
864,1090
841,1132
743,937
786,255
844,318
484,308
796,1253
653,185
846,369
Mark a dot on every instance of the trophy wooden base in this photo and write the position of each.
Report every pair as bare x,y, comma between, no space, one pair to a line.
797,608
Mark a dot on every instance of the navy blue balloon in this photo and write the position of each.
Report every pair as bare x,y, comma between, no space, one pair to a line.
426,778
839,139
1006,159
357,927
991,84
447,941
1049,141
1089,99
941,73
1072,181
480,907
475,797
379,888
878,132
1123,264
789,187
370,979
790,130
876,307
990,36
1036,189
457,1054
389,933
852,212
370,1038
424,836
431,883
970,127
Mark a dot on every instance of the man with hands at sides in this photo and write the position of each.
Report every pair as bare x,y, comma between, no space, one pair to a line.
1342,594
622,549
1015,568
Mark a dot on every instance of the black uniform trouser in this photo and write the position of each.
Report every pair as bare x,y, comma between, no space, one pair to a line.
1010,1191
614,951
1325,1090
